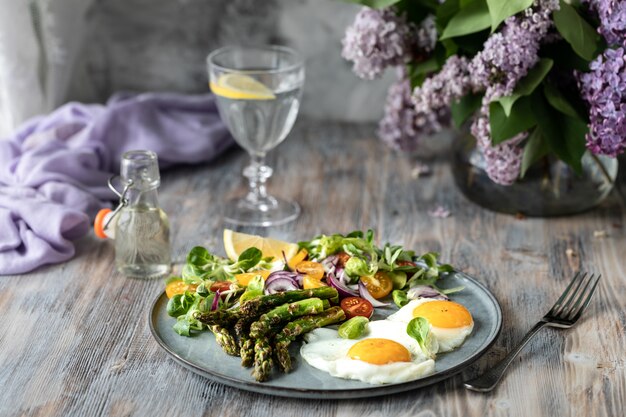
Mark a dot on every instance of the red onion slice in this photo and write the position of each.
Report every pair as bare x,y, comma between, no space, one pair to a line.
341,289
280,275
425,291
366,294
216,300
330,263
280,284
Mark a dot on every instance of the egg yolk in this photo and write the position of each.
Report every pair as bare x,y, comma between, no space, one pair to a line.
379,351
447,314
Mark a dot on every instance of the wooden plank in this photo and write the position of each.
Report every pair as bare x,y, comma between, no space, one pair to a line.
74,338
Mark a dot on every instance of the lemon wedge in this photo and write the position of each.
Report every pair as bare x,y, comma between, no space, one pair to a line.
235,243
241,87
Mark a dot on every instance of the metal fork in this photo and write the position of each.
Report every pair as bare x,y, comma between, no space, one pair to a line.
565,312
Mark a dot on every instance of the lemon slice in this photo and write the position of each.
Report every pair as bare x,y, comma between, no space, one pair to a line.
235,243
239,86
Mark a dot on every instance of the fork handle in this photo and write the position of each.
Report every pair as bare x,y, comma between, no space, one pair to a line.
488,381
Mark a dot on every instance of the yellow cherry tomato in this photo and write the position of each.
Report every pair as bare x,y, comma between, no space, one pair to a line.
297,258
314,269
309,282
178,286
245,278
379,286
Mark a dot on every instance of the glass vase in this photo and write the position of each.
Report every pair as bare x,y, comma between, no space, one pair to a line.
549,188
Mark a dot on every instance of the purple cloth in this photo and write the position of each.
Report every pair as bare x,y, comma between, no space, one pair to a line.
54,169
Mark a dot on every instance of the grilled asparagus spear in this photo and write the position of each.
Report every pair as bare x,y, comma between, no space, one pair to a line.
263,362
225,339
246,343
259,305
225,318
286,312
301,326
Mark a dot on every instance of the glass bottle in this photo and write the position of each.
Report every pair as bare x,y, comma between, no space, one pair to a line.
142,231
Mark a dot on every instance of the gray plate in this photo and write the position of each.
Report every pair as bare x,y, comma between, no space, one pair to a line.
201,354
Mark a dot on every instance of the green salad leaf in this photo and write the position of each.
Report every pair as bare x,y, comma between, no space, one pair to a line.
419,329
399,298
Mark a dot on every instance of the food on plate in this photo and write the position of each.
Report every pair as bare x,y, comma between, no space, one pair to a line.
268,293
451,323
386,355
353,328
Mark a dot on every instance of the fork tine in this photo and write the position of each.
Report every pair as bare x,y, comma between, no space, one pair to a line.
579,309
566,293
576,298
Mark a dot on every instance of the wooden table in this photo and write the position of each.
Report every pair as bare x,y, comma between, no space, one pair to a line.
74,338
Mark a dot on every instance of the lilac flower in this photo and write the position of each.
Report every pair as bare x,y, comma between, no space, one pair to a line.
604,88
440,212
377,39
612,14
508,55
399,127
503,161
438,91
506,58
380,38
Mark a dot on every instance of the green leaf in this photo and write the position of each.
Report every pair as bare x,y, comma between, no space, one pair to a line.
375,4
398,278
565,135
199,256
400,298
472,18
527,84
180,303
419,329
520,120
499,10
182,326
536,148
558,100
445,12
249,258
580,34
461,110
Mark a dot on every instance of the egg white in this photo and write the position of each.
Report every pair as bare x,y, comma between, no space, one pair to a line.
325,350
448,339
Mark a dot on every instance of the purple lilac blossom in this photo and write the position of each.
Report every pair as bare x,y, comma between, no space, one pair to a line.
604,88
503,161
438,91
508,55
376,40
401,125
506,58
380,38
612,15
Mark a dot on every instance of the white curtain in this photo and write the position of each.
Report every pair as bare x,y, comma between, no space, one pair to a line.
39,43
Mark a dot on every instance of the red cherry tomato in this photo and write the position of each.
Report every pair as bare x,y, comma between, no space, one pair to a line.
405,263
356,306
221,285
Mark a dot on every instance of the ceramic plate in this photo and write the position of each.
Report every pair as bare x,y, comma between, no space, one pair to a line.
201,354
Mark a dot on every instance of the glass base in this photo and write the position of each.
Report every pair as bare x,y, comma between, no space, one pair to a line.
277,212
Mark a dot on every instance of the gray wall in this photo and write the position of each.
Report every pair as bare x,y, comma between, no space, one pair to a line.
162,44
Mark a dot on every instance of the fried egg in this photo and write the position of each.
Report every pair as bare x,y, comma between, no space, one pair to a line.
450,322
385,354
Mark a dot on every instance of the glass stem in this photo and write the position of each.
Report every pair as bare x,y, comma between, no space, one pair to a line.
258,173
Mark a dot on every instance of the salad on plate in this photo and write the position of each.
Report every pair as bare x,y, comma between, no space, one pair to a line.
365,312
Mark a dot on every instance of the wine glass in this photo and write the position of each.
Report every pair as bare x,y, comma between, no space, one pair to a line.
258,92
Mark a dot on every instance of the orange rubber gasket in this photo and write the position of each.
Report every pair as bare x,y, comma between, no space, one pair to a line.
98,223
